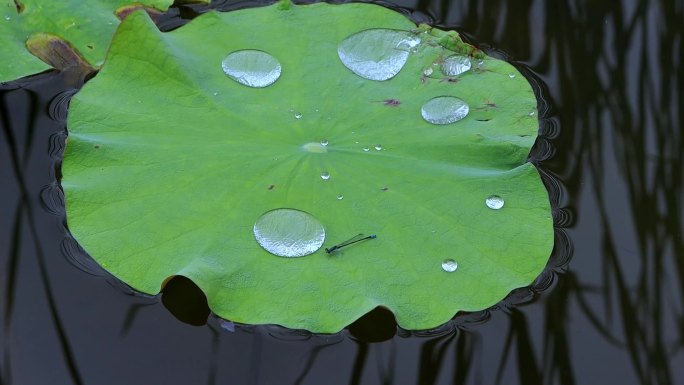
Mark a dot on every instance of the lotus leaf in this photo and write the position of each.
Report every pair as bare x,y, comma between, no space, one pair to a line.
50,30
170,163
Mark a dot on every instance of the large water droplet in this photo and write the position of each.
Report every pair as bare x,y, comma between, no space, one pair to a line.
494,202
449,265
456,65
377,54
252,68
325,175
444,110
289,233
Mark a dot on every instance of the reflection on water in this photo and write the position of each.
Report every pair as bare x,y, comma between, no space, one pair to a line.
609,71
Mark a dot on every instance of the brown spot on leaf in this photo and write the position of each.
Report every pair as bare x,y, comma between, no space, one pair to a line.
126,10
19,5
57,53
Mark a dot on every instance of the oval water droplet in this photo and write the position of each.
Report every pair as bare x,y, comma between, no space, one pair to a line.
377,54
298,115
511,75
456,65
289,233
444,110
378,147
449,265
252,68
324,142
325,175
366,149
494,202
340,197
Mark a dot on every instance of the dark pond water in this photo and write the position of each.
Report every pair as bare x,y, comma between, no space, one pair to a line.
609,309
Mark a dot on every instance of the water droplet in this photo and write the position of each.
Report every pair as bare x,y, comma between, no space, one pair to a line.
366,149
378,147
428,71
456,65
252,68
215,93
444,110
449,265
480,62
325,175
494,202
340,197
377,54
532,113
8,18
511,75
324,142
314,147
289,233
298,115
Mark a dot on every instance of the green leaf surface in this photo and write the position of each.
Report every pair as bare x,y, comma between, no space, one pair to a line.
170,163
86,26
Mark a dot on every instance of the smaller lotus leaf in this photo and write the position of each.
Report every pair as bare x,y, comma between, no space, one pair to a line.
37,33
171,164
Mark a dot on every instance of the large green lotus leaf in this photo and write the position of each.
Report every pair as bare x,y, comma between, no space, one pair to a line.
48,27
170,163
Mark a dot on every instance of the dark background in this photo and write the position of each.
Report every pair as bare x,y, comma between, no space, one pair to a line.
608,309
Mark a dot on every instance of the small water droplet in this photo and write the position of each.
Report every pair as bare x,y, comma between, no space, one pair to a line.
444,110
298,115
511,75
377,54
325,175
356,142
378,147
494,202
449,265
324,142
428,71
8,18
289,233
533,113
456,65
366,149
340,197
252,68
215,93
480,62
